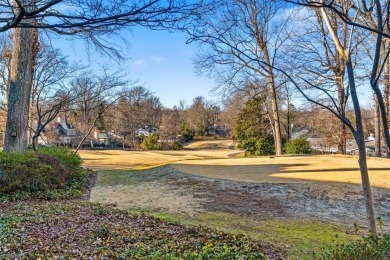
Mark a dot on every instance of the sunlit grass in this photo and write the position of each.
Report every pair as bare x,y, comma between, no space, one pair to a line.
287,169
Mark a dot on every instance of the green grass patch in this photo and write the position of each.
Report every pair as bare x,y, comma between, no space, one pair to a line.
298,238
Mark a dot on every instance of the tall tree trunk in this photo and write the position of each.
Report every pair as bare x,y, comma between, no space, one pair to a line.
359,138
386,96
274,107
35,142
342,139
262,45
358,132
288,128
342,134
25,43
376,73
276,121
378,152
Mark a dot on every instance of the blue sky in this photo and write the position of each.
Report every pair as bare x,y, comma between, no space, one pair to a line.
163,61
159,60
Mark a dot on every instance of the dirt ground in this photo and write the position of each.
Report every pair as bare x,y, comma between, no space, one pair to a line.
213,176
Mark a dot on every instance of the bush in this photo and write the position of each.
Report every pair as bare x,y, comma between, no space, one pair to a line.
72,160
151,143
187,132
369,247
68,156
258,146
40,173
298,146
171,146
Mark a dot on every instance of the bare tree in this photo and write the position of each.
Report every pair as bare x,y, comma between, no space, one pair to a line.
287,94
94,95
86,17
138,108
50,93
200,115
87,20
170,122
242,41
373,17
315,55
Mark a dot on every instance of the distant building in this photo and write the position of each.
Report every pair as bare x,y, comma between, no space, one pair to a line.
107,138
217,130
65,132
146,131
324,145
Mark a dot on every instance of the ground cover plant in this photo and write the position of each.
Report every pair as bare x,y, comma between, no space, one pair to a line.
51,173
369,247
85,230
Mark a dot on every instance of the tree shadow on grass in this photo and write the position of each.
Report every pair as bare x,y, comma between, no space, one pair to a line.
335,170
246,173
282,173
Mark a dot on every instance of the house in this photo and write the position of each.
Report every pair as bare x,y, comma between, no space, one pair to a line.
217,130
329,145
146,131
107,138
65,132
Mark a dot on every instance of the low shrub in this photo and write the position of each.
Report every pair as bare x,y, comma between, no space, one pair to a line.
152,143
72,160
258,146
298,146
67,155
369,247
171,146
39,174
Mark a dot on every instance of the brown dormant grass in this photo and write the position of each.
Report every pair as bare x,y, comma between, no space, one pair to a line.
117,159
151,195
287,169
214,159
